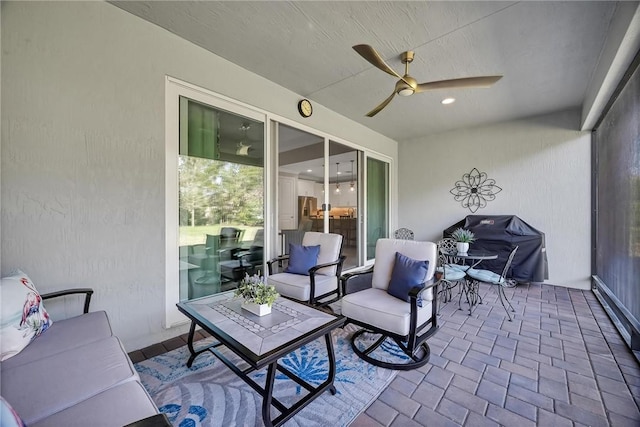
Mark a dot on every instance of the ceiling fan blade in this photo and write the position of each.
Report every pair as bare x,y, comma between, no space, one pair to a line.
468,82
370,54
381,106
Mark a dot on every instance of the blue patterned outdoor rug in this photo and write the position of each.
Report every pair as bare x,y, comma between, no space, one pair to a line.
210,394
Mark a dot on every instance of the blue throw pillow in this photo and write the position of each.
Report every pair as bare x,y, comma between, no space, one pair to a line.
302,258
407,273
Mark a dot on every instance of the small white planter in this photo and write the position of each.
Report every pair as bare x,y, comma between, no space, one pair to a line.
257,309
462,247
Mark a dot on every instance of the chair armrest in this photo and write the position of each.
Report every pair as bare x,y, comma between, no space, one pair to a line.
358,280
276,259
337,262
87,297
416,291
241,254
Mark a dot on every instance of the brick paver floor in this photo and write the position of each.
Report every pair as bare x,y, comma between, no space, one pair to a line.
560,362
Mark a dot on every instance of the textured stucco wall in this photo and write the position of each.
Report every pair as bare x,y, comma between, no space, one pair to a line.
83,140
543,166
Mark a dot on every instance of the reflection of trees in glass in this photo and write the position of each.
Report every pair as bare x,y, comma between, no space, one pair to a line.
192,196
213,192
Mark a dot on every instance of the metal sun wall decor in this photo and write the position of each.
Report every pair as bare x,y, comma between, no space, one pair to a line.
474,190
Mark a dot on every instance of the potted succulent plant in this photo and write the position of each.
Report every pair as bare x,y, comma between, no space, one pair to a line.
463,237
257,295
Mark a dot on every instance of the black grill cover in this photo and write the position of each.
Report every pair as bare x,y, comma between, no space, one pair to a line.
502,233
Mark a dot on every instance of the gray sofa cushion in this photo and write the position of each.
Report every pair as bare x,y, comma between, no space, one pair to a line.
63,335
46,386
117,406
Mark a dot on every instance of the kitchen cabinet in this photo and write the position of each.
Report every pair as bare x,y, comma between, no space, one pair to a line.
306,188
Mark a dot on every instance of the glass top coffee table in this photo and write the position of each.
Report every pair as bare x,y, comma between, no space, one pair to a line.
261,341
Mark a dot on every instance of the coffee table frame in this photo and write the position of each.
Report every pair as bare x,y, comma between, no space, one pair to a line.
269,360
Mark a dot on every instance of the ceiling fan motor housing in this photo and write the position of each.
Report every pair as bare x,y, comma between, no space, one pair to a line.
407,86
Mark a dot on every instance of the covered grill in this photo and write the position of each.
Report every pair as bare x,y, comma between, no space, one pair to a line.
500,234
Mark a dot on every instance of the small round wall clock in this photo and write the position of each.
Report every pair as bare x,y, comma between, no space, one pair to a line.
305,108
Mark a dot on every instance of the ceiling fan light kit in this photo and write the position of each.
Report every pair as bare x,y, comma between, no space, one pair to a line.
407,85
242,149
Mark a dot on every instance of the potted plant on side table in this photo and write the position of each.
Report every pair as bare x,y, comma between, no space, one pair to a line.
463,237
258,296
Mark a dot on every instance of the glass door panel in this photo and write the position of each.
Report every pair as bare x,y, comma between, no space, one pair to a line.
343,197
221,198
300,185
377,203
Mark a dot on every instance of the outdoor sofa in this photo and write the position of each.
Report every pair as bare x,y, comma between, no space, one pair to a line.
76,373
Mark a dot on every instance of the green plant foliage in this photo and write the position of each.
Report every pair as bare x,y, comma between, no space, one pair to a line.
254,289
462,235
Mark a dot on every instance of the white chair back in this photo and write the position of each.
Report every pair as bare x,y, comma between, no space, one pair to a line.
330,248
386,253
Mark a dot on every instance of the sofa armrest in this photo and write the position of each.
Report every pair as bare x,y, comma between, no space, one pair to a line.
87,297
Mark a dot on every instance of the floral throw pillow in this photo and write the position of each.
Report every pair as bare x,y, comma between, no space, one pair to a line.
22,314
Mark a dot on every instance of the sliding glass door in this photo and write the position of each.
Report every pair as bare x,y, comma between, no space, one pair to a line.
220,201
317,189
237,182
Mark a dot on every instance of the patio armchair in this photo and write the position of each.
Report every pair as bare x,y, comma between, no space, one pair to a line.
307,274
230,237
247,260
399,304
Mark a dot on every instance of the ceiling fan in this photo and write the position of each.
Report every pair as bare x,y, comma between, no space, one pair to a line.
407,85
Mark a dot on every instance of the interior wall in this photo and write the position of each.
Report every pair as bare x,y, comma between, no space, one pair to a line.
83,150
542,165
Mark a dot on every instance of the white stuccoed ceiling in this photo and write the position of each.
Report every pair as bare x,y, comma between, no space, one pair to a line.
546,51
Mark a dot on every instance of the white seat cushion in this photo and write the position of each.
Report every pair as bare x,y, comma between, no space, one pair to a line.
64,335
117,406
485,276
298,287
377,308
386,253
70,376
330,245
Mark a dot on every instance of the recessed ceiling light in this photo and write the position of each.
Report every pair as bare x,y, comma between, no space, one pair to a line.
448,101
309,170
